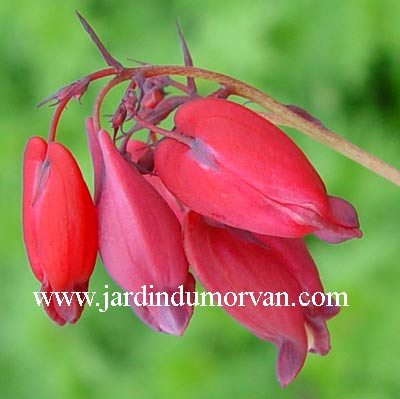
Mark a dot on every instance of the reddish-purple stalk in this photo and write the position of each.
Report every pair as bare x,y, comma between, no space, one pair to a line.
61,104
143,123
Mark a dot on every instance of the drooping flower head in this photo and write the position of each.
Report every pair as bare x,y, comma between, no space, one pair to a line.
223,189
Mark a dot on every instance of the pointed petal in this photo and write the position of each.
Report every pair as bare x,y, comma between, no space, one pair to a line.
343,224
290,361
295,257
225,262
65,312
168,319
140,238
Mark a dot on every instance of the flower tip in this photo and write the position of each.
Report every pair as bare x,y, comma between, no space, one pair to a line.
171,320
344,224
174,320
63,313
289,363
63,316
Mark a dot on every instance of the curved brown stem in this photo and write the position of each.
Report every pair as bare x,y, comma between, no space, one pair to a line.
285,114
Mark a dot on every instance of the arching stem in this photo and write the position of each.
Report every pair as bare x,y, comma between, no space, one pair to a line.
66,94
236,87
100,98
56,118
319,133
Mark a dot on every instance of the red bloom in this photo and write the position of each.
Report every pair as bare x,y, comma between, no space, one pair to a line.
230,260
140,238
243,171
59,224
240,189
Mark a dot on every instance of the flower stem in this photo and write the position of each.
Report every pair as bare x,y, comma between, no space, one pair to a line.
100,98
63,102
56,118
319,133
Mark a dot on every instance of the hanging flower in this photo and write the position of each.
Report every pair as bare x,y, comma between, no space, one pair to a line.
241,170
236,262
59,225
223,190
139,236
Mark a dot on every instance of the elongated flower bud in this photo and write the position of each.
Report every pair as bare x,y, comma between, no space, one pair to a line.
59,225
140,238
243,171
235,262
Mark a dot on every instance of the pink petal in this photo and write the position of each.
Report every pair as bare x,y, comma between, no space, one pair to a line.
140,239
226,262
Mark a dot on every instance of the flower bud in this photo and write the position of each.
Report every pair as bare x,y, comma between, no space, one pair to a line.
238,264
59,225
241,170
140,239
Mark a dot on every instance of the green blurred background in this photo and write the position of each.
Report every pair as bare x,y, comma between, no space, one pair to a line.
338,59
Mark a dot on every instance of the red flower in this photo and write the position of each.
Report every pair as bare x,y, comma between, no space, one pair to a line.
59,224
240,189
241,170
140,240
228,260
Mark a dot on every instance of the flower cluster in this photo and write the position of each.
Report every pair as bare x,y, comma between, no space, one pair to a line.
224,191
